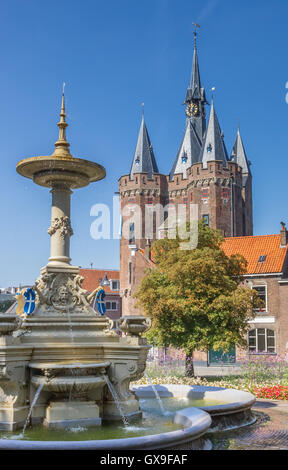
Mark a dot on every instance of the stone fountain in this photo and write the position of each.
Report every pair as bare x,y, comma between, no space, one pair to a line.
64,352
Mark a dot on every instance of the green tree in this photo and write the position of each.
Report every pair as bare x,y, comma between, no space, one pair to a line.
195,297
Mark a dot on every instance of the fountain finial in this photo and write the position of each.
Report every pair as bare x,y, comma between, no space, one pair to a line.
62,146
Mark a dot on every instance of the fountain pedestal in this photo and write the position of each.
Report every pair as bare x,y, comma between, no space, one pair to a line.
61,414
56,354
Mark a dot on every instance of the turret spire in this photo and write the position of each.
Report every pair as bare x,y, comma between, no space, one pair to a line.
144,160
213,145
62,146
238,155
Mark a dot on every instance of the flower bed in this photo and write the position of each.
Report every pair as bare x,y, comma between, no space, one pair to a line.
273,392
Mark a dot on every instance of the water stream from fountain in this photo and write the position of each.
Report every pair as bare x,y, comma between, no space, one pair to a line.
163,411
116,399
36,396
73,348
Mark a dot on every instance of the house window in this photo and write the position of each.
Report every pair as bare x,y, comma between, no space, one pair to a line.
261,340
185,200
111,305
171,203
262,294
150,200
205,219
130,272
114,285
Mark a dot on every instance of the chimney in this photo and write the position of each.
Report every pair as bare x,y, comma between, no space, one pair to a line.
147,252
283,235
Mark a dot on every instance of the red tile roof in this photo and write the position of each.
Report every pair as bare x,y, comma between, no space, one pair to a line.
255,246
92,276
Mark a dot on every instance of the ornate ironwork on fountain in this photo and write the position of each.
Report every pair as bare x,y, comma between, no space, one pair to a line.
134,325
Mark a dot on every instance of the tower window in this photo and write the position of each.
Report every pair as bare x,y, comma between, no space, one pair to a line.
205,219
205,193
131,202
225,193
132,234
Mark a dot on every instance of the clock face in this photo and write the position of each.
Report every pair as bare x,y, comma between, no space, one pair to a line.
192,109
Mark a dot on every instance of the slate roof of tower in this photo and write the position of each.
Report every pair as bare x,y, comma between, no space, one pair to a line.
144,160
239,156
190,149
213,145
194,88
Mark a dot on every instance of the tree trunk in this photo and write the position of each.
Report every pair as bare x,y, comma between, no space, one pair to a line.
189,366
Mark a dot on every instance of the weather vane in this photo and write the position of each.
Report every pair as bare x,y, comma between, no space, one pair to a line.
195,31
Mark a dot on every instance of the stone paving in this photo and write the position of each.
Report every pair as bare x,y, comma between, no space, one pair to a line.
270,432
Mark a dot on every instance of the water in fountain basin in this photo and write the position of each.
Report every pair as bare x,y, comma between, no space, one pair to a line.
116,399
163,411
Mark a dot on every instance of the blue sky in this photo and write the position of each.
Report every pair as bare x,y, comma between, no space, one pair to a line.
114,55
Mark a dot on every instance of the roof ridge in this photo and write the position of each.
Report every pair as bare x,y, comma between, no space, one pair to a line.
252,236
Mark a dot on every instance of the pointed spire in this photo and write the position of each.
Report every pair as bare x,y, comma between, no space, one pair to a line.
144,160
194,88
62,146
213,145
188,153
238,155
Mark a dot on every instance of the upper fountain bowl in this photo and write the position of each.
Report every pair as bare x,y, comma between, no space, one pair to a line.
51,170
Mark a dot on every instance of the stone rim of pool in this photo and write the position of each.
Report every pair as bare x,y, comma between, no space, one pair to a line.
234,413
195,424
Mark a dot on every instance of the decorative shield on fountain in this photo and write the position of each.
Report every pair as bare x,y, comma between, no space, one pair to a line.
29,296
100,301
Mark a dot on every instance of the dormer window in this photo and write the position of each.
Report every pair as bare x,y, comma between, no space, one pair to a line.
137,161
209,148
184,159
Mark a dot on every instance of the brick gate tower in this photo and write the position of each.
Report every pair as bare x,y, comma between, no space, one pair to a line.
203,173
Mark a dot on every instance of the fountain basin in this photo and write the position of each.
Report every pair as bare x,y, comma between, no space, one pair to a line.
229,408
194,423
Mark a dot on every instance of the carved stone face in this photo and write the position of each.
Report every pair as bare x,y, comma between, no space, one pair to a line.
63,295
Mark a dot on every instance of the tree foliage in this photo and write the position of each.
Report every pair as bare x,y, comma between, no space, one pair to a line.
195,297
